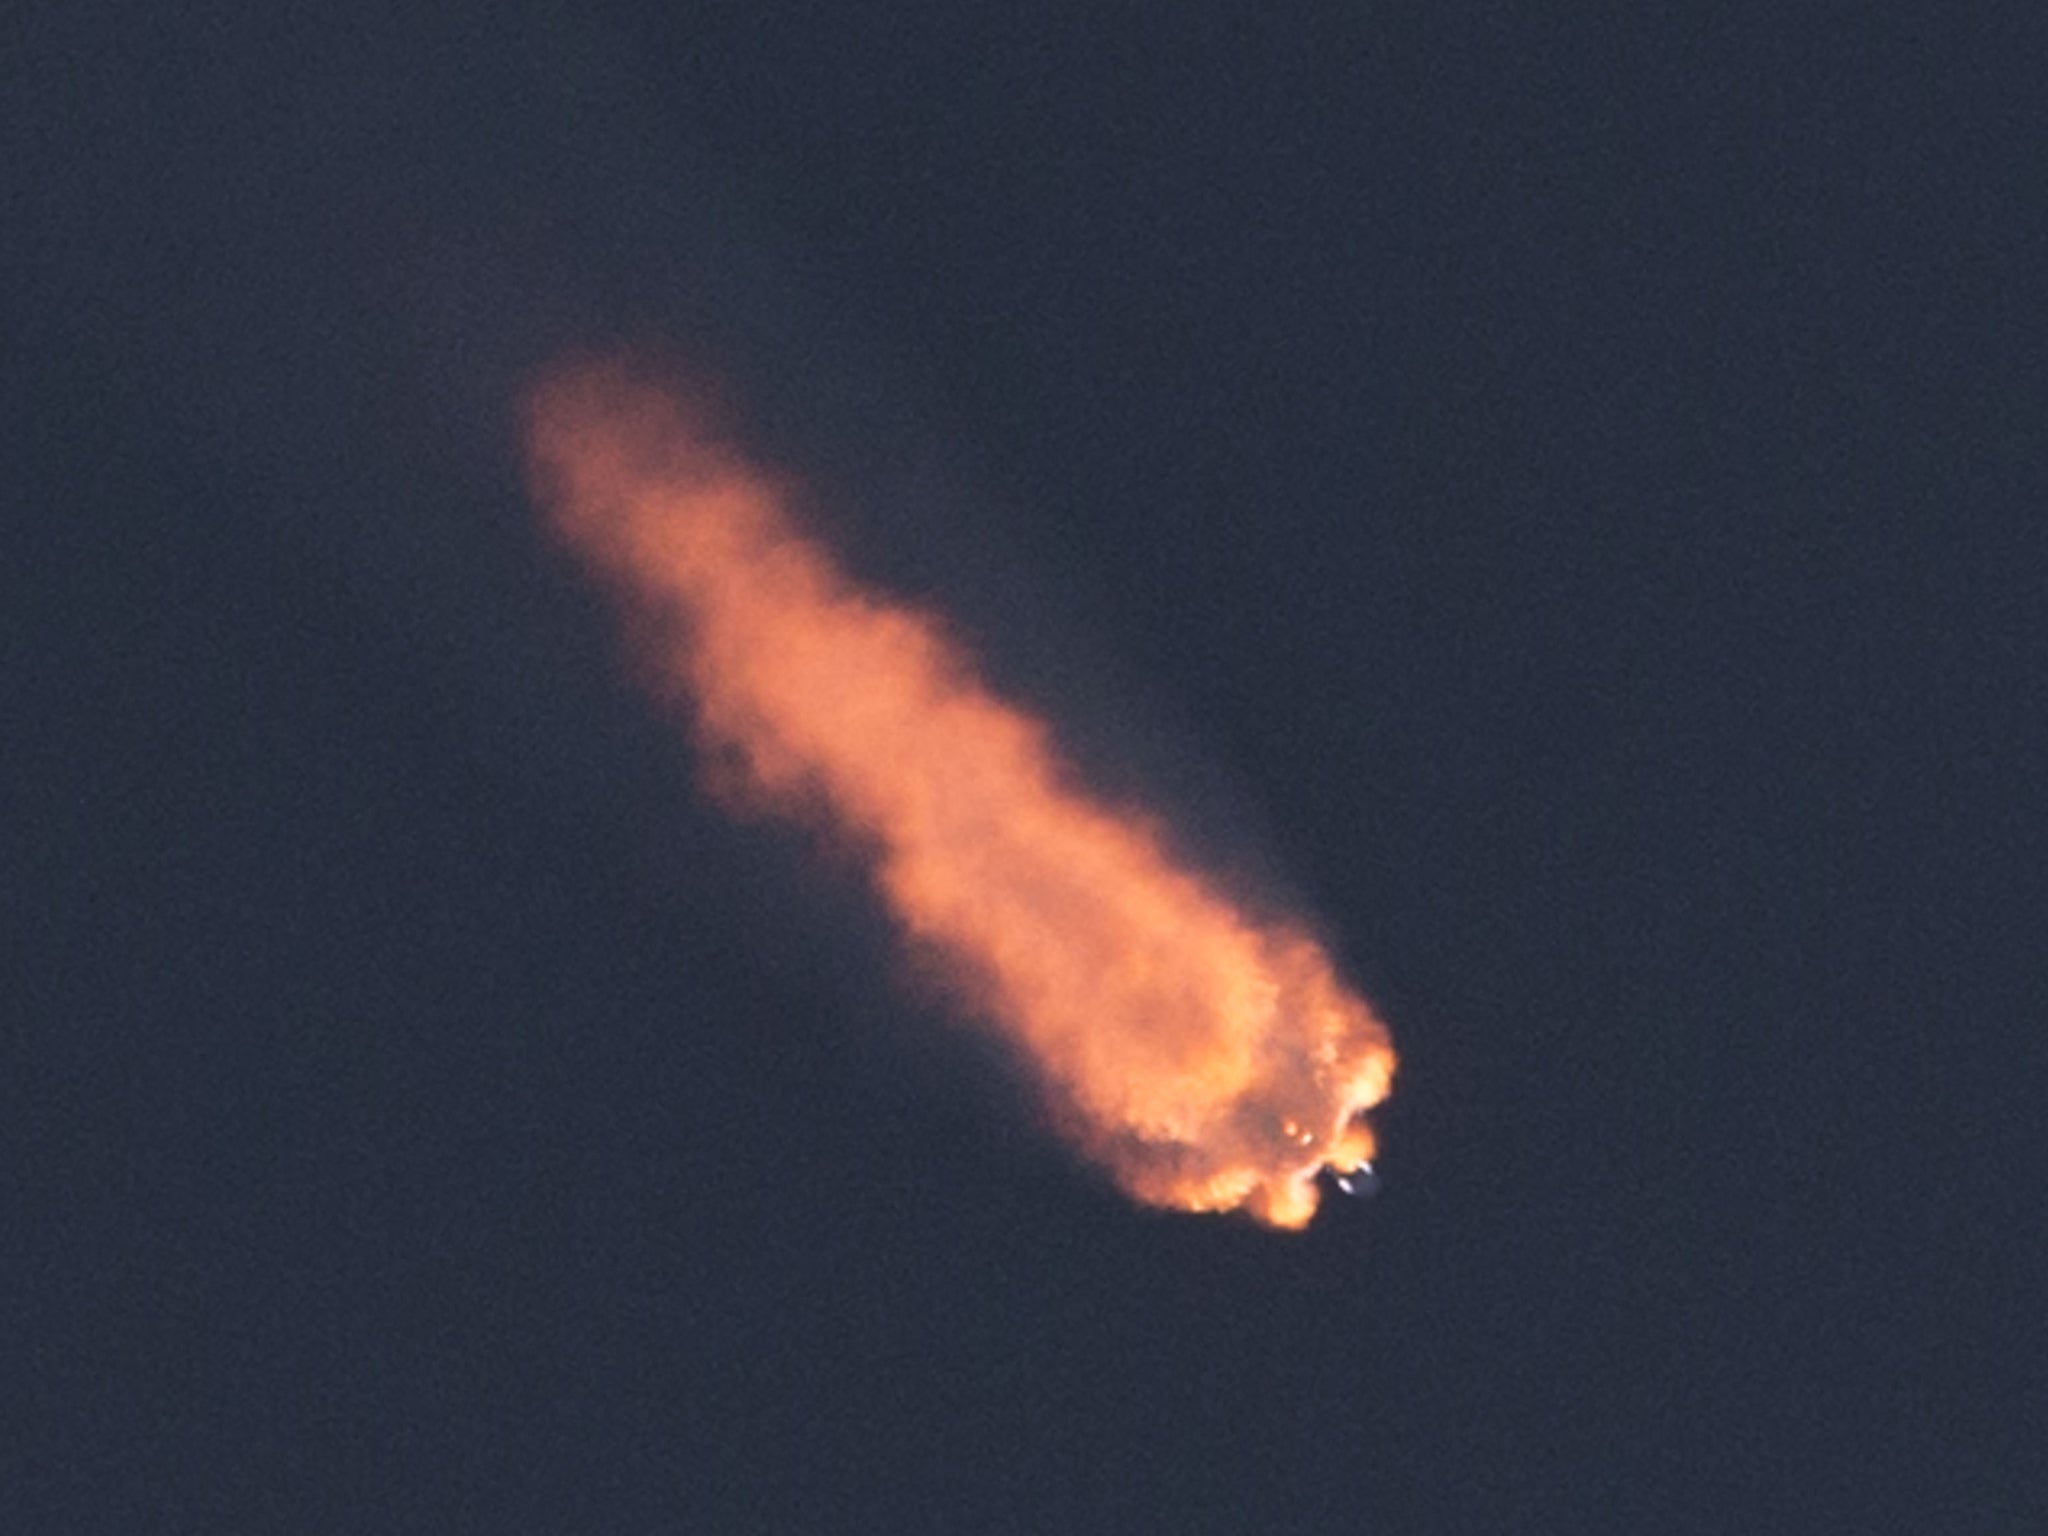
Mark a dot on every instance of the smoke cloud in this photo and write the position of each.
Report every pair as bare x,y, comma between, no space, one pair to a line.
1207,1058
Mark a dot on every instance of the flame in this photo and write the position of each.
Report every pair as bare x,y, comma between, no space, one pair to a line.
1208,1060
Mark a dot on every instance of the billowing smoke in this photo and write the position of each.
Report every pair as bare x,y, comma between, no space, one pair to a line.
1210,1060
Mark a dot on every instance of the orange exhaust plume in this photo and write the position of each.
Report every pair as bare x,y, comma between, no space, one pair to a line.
1207,1059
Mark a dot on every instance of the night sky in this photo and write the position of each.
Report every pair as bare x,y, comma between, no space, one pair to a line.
1559,498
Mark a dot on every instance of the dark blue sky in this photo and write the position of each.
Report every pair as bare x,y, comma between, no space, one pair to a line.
1560,497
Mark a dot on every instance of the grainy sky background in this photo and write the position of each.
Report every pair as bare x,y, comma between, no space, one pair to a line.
1560,496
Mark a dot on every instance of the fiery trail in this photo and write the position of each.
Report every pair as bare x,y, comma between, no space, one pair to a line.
1208,1060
